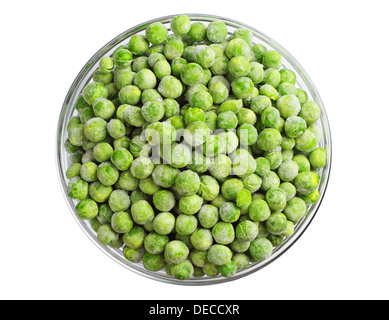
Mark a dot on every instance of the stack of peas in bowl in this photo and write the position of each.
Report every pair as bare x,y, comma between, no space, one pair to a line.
194,152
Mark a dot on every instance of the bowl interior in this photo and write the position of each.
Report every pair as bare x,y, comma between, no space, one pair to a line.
85,76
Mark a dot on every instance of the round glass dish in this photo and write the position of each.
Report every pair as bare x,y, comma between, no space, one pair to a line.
85,76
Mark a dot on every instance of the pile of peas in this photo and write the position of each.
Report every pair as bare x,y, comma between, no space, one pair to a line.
194,152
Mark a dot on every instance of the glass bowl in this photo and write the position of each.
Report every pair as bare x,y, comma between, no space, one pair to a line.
85,76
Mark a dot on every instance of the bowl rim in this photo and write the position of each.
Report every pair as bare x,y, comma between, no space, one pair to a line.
279,251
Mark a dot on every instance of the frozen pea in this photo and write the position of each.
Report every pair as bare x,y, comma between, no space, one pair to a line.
121,222
269,91
220,66
219,255
219,92
200,163
269,139
164,200
295,126
217,31
246,231
197,32
123,58
174,47
260,249
311,198
130,95
162,69
288,170
260,103
204,56
133,255
95,129
242,87
289,230
301,95
116,128
318,158
106,235
137,195
178,155
211,270
263,166
270,180
223,233
213,145
93,91
183,270
306,182
199,257
119,200
127,181
156,33
187,183
272,77
142,167
73,170
177,65
303,162
272,59
153,262
209,188
229,212
243,165
102,152
208,215
231,105
239,66
201,99
247,134
180,25
87,209
153,111
240,246
289,189
191,204
287,76
122,159
211,119
107,174
241,260
154,58
306,142
246,116
123,77
295,209
276,199
238,47
231,141
148,186
155,243
288,105
310,112
135,237
170,87
186,224
138,44
142,212
244,198
176,252
99,192
227,120
228,270
231,187
201,239
270,117
194,115
259,210
252,183
95,224
105,214
287,88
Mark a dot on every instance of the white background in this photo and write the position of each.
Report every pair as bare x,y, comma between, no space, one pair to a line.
343,45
